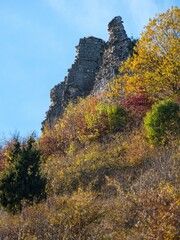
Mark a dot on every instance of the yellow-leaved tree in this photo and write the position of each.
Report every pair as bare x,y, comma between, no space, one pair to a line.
155,65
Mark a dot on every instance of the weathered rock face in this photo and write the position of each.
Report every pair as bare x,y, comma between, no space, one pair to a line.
56,109
80,79
116,52
81,75
95,64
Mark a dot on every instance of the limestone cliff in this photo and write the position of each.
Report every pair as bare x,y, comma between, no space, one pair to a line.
95,64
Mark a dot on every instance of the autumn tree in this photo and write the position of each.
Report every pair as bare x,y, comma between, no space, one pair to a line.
155,66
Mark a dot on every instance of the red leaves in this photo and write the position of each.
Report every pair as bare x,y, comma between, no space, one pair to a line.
138,104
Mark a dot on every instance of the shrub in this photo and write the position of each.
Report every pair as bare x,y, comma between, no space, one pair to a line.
163,121
155,213
79,216
89,165
116,118
138,104
2,159
88,120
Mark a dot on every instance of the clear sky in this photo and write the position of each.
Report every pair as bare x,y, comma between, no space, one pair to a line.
37,46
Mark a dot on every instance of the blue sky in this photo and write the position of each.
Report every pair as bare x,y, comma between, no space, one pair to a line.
37,46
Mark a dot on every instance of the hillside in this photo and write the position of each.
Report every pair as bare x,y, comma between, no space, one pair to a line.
108,167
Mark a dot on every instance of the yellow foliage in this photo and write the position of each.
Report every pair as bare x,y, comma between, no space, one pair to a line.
155,68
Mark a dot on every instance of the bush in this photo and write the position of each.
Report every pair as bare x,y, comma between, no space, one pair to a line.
89,165
137,106
87,121
163,121
116,118
79,216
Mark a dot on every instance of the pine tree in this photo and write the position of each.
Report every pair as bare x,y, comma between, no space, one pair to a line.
22,179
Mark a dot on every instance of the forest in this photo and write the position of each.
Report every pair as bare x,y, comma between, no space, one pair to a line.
109,167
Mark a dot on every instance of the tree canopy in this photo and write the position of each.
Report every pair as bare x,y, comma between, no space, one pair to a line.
155,65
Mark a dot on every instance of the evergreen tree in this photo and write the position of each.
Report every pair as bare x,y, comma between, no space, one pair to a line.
22,179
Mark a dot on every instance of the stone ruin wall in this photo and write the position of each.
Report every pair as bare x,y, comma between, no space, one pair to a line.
96,63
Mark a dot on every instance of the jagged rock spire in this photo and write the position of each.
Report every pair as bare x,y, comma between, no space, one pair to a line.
116,52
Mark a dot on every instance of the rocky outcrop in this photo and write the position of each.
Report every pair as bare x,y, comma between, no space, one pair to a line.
96,63
81,75
116,52
80,79
55,109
